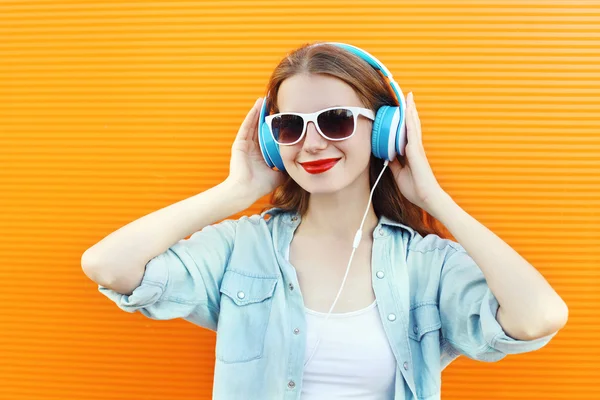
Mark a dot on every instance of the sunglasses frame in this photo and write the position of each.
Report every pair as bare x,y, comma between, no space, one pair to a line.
312,117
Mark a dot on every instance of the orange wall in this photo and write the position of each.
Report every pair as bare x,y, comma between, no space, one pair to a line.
110,110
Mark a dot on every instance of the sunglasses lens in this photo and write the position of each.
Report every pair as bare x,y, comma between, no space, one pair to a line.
287,128
336,124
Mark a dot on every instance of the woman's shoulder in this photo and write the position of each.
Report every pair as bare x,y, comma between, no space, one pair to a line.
266,215
252,223
417,241
433,242
277,212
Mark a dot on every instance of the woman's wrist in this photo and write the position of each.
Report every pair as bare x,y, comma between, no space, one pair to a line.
242,195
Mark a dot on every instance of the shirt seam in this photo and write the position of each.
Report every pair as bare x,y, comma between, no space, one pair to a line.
484,348
251,275
433,249
423,303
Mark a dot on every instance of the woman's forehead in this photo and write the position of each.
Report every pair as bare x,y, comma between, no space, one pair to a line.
309,93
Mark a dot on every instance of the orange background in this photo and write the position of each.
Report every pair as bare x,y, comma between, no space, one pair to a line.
110,110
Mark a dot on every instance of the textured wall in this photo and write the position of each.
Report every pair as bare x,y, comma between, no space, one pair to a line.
110,110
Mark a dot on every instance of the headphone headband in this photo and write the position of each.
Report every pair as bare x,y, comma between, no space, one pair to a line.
373,61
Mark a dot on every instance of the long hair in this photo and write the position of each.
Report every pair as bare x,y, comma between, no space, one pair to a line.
374,91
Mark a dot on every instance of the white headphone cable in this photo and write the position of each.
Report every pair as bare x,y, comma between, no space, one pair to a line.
357,239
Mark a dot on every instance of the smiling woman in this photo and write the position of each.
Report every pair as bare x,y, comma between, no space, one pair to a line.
263,284
112,112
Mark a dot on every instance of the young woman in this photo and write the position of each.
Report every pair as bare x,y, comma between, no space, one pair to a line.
304,306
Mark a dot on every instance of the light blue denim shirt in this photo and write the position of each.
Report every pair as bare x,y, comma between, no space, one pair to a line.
233,278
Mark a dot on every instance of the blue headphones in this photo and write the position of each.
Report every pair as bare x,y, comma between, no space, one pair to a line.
388,136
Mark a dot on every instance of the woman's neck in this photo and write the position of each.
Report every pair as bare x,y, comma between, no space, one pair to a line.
339,214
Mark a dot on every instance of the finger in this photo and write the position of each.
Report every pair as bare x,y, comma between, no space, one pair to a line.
255,125
245,132
416,120
254,122
410,124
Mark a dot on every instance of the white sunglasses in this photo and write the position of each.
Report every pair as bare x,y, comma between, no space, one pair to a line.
334,123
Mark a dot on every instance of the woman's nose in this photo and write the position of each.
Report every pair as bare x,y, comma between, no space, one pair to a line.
313,141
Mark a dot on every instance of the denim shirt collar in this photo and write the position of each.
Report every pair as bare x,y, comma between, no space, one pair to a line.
293,218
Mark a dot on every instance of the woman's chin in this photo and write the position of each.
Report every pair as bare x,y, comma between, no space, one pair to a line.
322,186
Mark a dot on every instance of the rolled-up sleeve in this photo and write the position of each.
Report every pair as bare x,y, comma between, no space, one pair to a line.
183,281
468,311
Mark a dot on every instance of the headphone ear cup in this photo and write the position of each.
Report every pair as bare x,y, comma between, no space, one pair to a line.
383,135
261,129
268,148
271,149
261,144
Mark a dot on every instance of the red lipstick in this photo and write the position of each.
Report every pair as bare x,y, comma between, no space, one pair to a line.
319,166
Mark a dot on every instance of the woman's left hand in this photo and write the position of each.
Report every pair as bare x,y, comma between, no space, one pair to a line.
416,180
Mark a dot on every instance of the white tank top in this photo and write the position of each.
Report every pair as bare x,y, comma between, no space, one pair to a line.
353,360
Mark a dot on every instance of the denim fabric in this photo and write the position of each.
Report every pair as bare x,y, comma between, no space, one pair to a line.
233,278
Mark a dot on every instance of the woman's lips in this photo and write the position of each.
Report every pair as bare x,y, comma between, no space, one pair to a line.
319,166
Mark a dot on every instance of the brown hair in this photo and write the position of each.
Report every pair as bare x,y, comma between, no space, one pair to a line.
374,91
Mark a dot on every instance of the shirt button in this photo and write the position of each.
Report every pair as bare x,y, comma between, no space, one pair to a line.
291,286
294,218
291,384
296,331
241,295
392,317
381,231
405,366
380,274
415,329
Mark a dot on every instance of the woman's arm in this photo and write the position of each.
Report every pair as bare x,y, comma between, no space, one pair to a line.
529,306
118,261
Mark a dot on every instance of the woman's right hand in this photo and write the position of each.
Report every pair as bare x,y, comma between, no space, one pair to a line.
248,171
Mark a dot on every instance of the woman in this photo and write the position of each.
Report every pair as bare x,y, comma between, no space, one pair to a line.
269,284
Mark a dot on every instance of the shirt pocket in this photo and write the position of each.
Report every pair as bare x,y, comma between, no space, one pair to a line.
424,333
246,303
